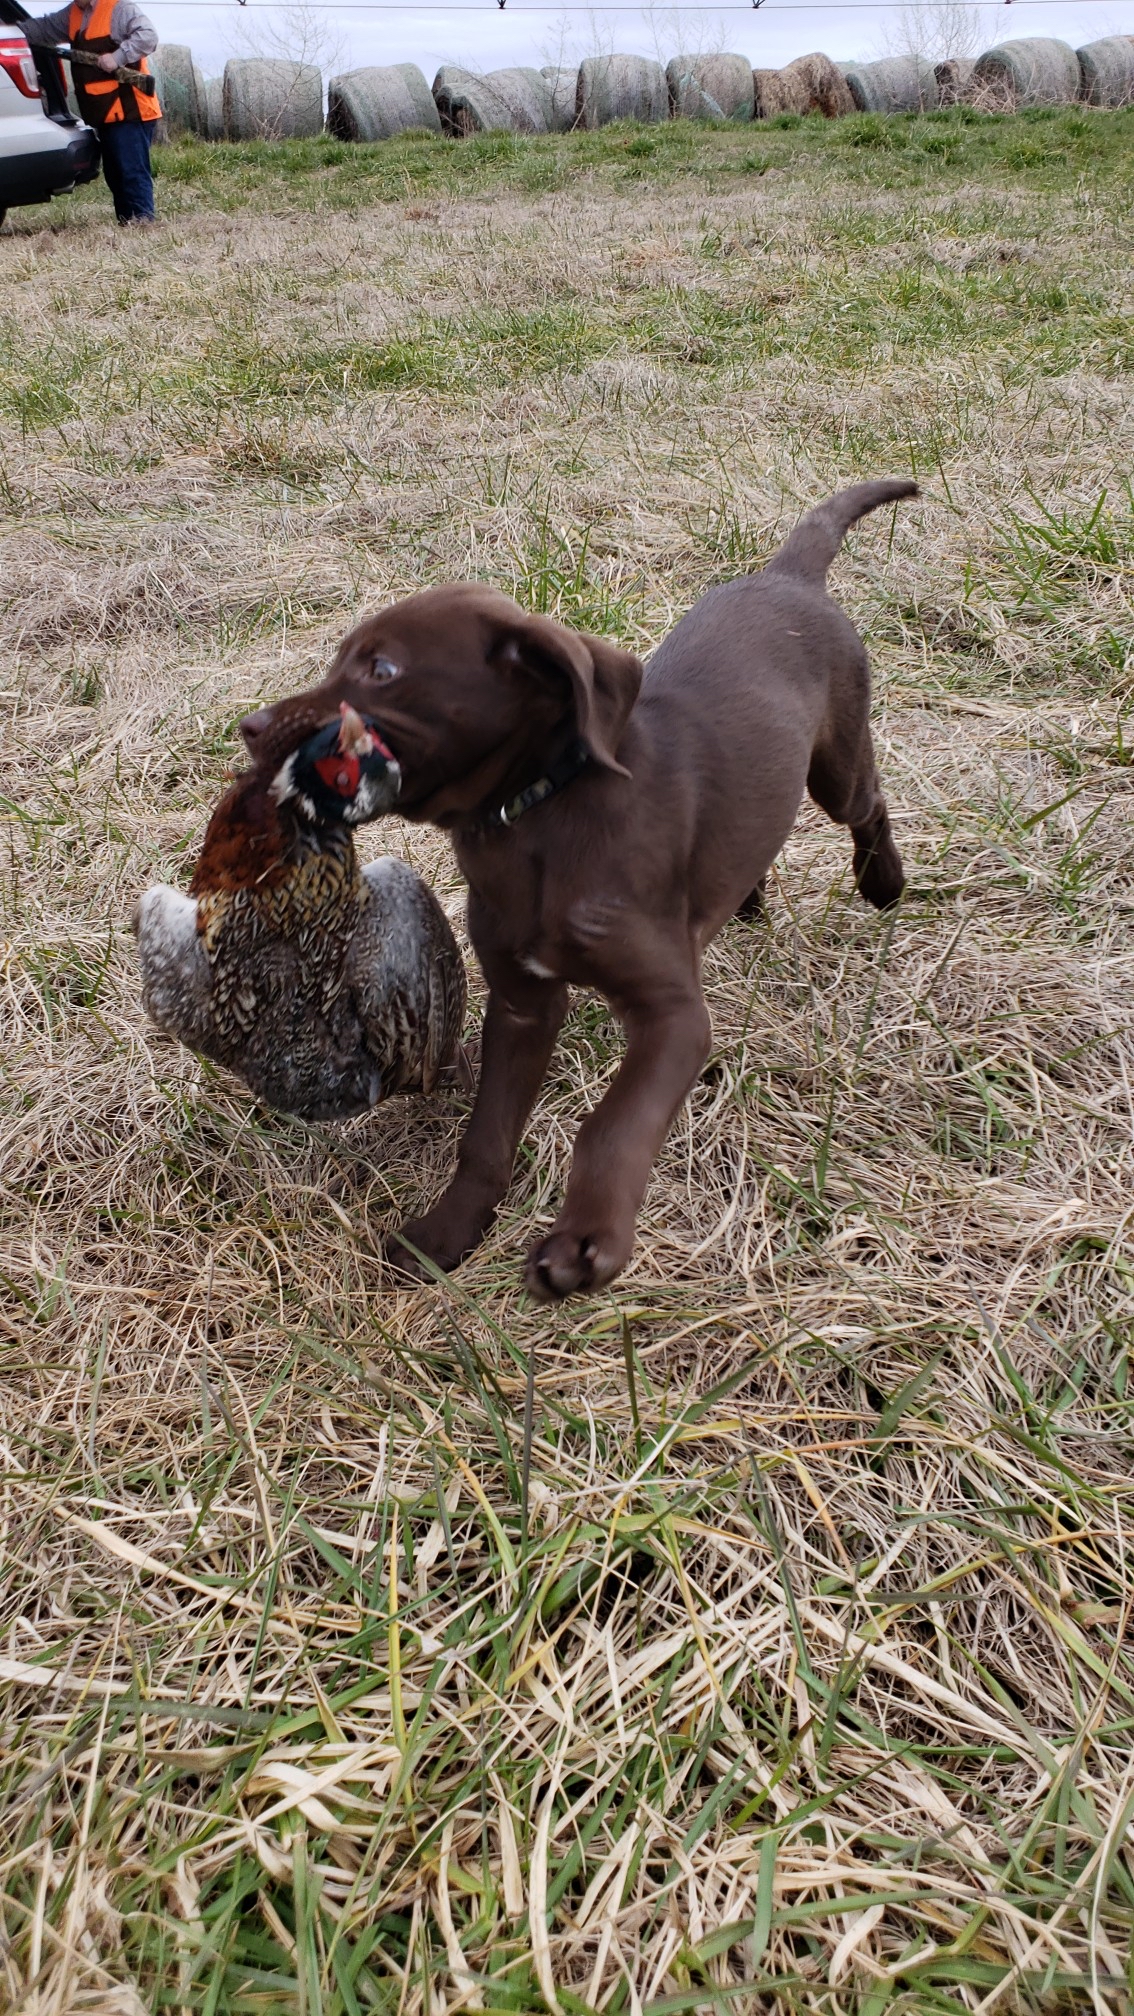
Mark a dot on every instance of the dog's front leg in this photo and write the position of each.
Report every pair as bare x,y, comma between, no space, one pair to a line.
521,1023
667,1043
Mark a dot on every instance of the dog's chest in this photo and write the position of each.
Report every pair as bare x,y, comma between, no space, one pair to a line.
520,909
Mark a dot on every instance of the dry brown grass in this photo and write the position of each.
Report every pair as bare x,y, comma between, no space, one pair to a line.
783,1659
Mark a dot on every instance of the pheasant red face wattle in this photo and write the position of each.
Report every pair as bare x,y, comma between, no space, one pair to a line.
342,775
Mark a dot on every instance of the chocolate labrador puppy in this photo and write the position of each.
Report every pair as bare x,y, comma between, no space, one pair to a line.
608,822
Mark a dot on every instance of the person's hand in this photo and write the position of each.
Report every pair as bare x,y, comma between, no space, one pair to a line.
109,60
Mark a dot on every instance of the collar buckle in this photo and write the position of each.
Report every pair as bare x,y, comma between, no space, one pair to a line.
558,774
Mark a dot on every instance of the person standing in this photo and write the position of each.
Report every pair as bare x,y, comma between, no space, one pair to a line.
117,35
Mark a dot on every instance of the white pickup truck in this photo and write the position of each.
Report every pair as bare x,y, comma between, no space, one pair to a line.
44,150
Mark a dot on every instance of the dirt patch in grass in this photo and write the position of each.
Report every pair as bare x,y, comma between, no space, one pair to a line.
758,1634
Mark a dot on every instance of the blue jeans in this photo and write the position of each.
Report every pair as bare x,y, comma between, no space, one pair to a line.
126,165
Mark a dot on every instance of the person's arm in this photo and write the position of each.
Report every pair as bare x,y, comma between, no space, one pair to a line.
134,34
48,29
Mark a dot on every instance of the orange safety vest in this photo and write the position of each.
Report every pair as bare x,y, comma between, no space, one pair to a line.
102,99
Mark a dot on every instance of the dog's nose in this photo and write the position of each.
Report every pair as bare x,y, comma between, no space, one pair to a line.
252,727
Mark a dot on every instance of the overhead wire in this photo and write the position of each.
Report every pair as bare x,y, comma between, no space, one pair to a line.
605,6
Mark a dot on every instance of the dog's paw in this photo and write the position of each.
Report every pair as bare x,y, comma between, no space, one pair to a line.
446,1236
878,871
563,1264
416,1238
879,876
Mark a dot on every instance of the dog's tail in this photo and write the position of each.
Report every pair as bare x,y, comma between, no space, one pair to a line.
808,551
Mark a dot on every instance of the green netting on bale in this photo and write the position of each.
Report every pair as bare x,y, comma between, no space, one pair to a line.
710,87
622,87
379,101
1106,71
177,78
271,98
893,84
1037,70
501,101
563,83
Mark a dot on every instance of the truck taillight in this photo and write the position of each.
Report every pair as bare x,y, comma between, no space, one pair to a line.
16,62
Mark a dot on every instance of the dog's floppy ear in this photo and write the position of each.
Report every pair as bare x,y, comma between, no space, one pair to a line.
604,681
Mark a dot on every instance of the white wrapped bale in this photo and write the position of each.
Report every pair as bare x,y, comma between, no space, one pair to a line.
564,87
710,87
893,84
621,87
1037,70
379,101
527,95
177,78
214,109
954,79
501,101
820,83
1106,72
271,98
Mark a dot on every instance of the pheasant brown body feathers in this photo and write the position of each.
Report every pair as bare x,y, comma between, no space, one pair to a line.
327,987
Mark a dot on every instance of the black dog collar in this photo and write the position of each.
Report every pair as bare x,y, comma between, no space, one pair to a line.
563,771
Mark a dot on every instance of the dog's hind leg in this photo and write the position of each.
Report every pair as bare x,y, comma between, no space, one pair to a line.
844,783
755,903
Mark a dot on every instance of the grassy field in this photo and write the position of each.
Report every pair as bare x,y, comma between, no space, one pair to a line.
757,1636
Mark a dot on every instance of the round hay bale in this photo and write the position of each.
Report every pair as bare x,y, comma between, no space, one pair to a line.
200,87
1037,70
564,87
376,103
1106,72
271,98
621,87
954,79
710,87
777,91
893,84
502,101
825,86
177,78
214,109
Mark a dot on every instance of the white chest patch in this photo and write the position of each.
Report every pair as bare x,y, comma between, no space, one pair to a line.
538,971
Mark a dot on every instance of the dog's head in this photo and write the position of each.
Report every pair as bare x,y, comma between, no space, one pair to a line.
465,689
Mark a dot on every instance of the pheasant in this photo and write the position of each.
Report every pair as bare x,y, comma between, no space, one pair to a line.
325,986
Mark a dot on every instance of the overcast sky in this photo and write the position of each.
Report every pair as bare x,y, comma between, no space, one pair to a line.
486,39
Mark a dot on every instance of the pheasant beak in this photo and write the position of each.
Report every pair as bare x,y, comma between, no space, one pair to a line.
355,738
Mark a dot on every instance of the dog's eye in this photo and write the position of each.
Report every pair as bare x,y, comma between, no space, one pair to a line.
383,669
